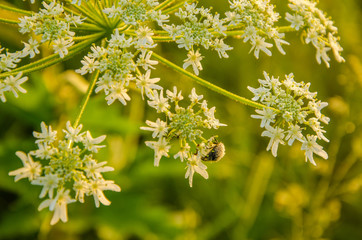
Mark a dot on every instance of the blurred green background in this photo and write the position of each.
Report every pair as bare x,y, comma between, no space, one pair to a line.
249,195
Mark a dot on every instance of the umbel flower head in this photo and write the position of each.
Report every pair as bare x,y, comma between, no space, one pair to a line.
186,126
294,114
317,29
66,169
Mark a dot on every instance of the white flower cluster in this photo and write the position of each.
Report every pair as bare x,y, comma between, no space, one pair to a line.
185,125
258,18
118,68
317,29
136,12
67,170
12,84
199,28
53,25
297,117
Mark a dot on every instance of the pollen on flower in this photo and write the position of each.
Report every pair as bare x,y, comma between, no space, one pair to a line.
67,170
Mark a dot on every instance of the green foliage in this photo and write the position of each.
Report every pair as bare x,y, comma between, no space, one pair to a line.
249,195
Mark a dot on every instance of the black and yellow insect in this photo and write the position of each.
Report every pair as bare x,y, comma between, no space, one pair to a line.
215,153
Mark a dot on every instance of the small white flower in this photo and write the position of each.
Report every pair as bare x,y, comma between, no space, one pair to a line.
98,186
58,205
145,61
195,165
89,65
221,48
81,188
295,20
276,136
194,98
46,135
31,48
49,183
159,102
147,84
258,43
160,147
211,120
336,48
73,134
61,46
144,35
322,53
174,96
91,143
159,128
310,146
44,152
31,169
118,92
294,133
267,116
183,153
13,84
193,59
95,170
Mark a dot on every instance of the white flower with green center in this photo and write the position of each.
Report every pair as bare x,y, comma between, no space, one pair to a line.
67,167
144,60
161,148
61,46
276,136
267,116
310,146
73,134
12,84
118,92
89,66
296,20
58,205
294,111
98,186
47,135
159,102
258,43
147,84
159,128
194,164
194,60
31,169
49,183
31,48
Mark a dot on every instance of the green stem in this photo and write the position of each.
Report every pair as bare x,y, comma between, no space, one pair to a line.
86,97
210,85
3,20
54,58
174,8
286,29
90,16
5,7
164,5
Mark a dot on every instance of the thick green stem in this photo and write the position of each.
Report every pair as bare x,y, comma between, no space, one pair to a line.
2,6
210,85
3,20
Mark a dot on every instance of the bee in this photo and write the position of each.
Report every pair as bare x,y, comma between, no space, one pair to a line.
215,152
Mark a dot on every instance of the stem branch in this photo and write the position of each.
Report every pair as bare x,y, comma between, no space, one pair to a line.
210,85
